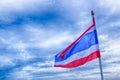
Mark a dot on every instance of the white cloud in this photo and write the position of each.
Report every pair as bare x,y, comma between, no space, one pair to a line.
12,9
22,5
57,40
110,55
27,72
113,69
112,46
47,69
20,75
46,38
13,49
103,37
6,61
34,37
110,5
73,4
38,67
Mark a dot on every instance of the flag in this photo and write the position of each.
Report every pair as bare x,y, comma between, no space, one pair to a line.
84,49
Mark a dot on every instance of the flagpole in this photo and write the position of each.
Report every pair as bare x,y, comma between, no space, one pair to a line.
100,63
101,71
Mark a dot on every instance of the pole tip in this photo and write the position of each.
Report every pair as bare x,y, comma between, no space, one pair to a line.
92,13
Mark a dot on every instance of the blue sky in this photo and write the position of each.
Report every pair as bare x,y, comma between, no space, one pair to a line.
32,32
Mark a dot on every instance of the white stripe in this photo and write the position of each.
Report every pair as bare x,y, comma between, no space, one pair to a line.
79,55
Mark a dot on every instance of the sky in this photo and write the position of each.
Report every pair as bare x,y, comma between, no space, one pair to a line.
32,32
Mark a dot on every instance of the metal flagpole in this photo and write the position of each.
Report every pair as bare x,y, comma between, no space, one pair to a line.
100,64
101,71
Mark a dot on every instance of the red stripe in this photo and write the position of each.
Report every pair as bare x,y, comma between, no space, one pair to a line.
66,49
81,61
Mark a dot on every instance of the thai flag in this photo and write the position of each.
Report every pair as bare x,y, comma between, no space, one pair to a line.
84,49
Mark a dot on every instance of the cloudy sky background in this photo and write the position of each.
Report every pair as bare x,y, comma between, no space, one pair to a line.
32,32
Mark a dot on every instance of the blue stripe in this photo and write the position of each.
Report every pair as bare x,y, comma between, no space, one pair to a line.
84,43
